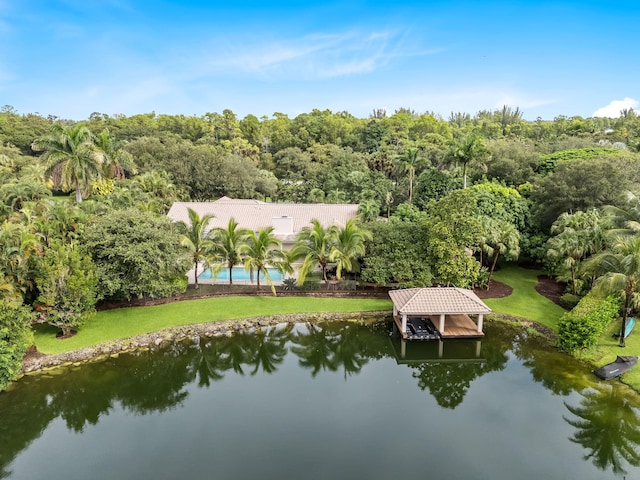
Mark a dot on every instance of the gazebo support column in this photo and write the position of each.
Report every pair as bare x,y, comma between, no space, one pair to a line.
480,319
404,323
441,326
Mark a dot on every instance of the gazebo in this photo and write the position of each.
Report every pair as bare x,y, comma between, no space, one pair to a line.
447,308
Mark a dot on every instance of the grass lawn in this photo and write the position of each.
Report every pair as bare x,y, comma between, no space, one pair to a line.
524,302
126,322
527,303
607,349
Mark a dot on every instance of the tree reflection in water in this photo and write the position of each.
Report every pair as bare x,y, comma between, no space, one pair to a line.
608,426
449,379
335,346
143,382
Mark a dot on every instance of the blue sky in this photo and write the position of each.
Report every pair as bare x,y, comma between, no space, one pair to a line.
73,57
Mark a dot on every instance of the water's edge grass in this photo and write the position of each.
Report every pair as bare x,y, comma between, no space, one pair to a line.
524,303
121,323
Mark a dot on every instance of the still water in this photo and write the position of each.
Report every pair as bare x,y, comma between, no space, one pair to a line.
330,401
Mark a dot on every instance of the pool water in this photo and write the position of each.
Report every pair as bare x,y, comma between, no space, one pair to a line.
239,273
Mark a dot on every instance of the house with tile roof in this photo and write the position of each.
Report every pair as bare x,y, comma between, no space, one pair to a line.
287,219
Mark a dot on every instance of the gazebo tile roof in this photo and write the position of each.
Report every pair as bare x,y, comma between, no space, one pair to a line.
437,300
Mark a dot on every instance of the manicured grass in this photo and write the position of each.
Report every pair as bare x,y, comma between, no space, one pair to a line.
527,303
524,302
607,349
126,322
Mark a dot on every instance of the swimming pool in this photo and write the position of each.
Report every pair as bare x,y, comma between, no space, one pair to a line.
240,274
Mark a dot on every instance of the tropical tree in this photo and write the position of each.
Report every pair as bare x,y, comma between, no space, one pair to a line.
16,193
617,272
349,246
71,157
194,238
314,244
261,250
137,254
15,337
397,254
368,210
67,284
625,218
502,238
408,163
466,150
228,245
577,235
63,221
19,246
116,159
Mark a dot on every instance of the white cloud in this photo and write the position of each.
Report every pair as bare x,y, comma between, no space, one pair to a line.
318,56
613,109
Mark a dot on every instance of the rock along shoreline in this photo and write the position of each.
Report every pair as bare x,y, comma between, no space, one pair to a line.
155,340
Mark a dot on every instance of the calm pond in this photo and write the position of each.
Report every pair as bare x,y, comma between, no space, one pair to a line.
331,401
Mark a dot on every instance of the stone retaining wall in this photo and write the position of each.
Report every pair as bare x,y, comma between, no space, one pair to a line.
156,340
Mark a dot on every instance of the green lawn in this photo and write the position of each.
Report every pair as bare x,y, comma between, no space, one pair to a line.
524,302
608,348
126,322
527,303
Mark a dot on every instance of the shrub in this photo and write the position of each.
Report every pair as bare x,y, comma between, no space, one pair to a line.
15,338
581,327
290,283
569,300
311,284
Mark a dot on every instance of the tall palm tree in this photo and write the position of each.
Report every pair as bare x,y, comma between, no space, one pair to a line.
348,247
314,244
228,244
71,157
262,249
467,150
408,163
194,238
617,272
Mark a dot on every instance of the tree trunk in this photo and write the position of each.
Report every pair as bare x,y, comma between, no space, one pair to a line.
464,175
195,272
78,192
258,276
410,187
230,274
493,266
573,278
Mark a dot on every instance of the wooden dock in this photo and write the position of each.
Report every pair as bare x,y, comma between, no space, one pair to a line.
456,326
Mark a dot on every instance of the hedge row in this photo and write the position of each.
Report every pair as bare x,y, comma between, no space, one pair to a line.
582,327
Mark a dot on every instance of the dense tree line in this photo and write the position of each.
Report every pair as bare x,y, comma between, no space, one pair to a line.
85,202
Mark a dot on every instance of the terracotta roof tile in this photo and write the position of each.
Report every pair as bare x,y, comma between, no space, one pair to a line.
437,300
254,214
